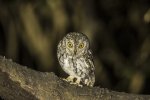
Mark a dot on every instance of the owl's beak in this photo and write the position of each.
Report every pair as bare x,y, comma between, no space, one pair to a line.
75,52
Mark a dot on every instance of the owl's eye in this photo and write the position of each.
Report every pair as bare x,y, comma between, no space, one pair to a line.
70,45
81,45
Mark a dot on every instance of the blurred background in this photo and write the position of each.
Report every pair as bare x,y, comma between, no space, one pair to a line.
119,32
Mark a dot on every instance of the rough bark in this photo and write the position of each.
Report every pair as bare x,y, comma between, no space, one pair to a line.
18,82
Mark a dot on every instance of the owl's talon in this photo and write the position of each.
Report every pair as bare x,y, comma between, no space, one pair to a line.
64,79
77,82
74,83
68,79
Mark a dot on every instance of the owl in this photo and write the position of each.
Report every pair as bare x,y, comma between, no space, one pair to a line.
75,58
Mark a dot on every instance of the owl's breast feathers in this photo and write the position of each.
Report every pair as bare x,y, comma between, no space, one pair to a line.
78,66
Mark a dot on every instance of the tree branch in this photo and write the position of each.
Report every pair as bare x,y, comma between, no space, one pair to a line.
21,83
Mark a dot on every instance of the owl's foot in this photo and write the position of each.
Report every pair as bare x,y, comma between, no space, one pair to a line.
77,82
88,82
69,79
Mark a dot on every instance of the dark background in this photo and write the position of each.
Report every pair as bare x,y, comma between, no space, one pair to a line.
119,32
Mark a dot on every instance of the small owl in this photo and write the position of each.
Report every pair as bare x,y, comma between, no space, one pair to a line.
75,58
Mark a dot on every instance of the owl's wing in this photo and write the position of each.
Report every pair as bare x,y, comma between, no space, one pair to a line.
60,52
58,49
90,60
90,77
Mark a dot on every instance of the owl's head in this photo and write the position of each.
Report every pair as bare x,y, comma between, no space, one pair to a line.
76,44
